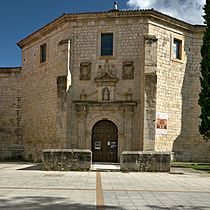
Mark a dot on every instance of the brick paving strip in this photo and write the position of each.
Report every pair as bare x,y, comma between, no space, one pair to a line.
99,193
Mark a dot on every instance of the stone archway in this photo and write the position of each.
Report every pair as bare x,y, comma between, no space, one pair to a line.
104,141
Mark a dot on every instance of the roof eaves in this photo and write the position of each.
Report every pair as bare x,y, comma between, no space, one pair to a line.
62,18
21,42
10,69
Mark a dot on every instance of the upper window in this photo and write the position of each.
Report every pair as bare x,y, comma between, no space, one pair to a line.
177,49
43,53
107,44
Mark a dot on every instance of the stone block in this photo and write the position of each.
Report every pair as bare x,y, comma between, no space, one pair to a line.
66,160
12,153
145,161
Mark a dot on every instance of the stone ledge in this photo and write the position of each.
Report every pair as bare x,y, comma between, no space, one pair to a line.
10,70
66,160
145,161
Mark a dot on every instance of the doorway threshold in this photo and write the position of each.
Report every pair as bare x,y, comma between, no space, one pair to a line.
105,166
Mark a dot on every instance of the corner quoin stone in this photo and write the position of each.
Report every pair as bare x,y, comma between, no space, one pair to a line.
145,161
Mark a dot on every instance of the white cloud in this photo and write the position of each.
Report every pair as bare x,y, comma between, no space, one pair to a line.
190,11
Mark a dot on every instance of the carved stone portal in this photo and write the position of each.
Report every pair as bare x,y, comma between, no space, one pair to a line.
128,70
85,71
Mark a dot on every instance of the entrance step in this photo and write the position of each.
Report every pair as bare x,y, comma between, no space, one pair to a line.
104,166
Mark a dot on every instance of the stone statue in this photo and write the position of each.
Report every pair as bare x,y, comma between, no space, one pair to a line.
105,94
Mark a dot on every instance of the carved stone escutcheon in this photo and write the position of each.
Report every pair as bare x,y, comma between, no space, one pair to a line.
128,70
85,71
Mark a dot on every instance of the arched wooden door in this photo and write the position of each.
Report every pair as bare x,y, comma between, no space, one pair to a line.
104,141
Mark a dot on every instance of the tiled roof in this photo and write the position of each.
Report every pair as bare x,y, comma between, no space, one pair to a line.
129,11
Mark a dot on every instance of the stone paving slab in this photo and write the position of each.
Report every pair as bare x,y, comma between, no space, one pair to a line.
25,189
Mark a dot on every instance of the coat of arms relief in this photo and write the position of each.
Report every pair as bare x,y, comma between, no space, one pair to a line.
106,80
128,70
85,71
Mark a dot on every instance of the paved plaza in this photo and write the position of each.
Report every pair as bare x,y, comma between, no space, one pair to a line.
25,186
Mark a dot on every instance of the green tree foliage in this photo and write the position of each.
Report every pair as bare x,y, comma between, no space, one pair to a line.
204,100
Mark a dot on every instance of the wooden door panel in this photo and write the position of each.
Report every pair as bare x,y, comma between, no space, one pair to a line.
104,134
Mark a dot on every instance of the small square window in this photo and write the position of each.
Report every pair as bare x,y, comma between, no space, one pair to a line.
177,49
43,53
107,44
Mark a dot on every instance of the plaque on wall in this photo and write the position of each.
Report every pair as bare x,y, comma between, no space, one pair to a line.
161,123
97,145
128,70
85,71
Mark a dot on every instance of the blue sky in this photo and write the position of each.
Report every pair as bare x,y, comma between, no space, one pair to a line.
19,18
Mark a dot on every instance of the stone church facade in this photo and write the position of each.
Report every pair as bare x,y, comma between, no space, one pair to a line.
109,82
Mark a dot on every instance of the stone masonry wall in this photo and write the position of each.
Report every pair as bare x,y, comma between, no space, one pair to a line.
128,46
189,145
177,94
38,107
44,93
170,76
10,114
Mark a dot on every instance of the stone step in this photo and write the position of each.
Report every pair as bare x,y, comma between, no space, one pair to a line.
105,166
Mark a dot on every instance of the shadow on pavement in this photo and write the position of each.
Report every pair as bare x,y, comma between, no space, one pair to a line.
44,202
178,207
